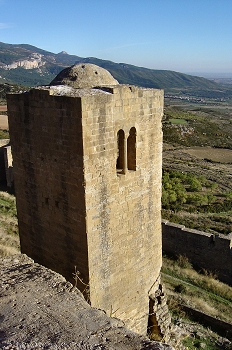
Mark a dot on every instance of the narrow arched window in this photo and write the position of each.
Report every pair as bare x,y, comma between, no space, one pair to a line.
131,149
120,165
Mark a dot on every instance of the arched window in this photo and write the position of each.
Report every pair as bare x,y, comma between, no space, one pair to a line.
131,149
120,165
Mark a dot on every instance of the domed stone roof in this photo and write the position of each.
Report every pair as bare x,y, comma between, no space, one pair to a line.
84,75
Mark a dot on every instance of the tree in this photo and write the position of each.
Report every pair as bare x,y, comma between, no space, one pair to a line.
194,185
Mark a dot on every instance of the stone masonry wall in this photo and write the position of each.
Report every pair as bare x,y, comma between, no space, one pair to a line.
46,138
75,208
123,210
212,252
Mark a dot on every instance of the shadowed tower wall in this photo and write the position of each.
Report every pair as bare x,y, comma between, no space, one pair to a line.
87,167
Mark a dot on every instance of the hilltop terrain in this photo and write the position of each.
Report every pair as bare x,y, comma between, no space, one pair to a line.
197,142
29,66
198,113
197,162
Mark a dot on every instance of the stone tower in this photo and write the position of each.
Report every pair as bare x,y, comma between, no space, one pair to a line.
87,157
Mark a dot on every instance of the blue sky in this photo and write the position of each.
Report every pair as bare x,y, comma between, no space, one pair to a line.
182,35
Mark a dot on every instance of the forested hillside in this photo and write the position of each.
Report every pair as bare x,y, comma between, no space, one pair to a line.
30,66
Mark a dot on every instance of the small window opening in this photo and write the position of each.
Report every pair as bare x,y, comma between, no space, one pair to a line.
131,149
74,78
120,165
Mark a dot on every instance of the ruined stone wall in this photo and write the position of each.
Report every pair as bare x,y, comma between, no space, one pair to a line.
204,250
3,144
75,208
8,160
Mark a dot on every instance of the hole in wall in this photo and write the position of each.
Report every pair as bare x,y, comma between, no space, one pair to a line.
153,329
73,78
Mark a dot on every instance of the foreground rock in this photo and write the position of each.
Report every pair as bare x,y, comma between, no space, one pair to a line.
41,310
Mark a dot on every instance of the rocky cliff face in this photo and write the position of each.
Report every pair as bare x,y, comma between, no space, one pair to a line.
35,60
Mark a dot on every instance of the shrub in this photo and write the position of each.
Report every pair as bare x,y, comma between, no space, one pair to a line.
183,262
180,288
208,273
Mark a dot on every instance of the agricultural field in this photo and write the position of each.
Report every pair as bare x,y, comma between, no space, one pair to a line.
197,166
3,118
4,133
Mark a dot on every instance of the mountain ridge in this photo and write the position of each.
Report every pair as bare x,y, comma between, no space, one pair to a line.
29,65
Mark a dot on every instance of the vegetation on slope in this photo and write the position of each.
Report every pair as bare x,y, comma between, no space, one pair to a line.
208,208
4,134
202,291
173,82
152,78
197,127
197,166
7,88
9,239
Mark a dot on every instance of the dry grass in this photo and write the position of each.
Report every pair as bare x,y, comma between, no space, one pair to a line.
201,304
9,238
6,250
206,280
200,291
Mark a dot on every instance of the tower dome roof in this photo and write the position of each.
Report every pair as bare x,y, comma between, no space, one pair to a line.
84,75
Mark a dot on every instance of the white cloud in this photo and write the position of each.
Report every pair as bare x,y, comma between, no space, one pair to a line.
4,25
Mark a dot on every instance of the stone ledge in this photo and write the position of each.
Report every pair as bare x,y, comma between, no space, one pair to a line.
221,327
40,309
